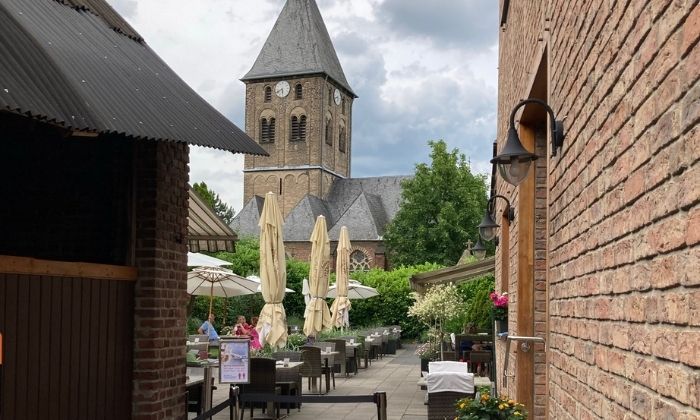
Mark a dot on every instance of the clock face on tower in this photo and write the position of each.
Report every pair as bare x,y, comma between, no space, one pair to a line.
282,89
337,97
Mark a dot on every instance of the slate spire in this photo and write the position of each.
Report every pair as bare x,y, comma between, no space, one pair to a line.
298,44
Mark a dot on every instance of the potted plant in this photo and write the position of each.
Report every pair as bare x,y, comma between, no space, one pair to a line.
500,311
440,304
427,352
485,406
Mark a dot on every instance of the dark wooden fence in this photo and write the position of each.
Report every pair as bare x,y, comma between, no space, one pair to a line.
67,347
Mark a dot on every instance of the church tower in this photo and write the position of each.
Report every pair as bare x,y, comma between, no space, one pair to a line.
299,109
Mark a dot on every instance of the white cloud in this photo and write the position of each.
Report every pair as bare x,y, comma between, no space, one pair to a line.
420,76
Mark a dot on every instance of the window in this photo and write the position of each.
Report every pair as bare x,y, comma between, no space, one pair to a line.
330,97
329,133
298,131
298,91
268,94
342,108
341,140
359,261
267,130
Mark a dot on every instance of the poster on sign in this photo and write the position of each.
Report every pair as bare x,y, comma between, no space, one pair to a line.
234,361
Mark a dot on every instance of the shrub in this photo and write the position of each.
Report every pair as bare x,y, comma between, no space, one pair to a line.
391,306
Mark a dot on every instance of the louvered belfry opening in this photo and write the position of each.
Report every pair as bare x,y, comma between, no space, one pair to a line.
341,140
267,130
298,91
268,94
302,128
298,131
329,133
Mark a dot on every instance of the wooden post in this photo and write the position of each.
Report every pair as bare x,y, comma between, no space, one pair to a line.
525,369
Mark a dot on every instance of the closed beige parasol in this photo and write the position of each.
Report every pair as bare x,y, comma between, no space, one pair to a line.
318,317
272,323
341,305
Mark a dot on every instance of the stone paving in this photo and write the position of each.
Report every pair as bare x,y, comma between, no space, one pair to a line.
394,374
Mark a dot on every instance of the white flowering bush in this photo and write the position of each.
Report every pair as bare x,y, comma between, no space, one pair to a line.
440,304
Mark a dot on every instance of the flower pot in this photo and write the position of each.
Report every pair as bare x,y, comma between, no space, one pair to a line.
424,365
501,326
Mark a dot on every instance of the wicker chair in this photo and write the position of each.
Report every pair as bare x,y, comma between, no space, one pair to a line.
364,351
341,358
312,367
262,380
328,370
441,405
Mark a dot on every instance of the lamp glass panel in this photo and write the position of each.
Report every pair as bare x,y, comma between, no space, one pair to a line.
487,233
514,172
480,254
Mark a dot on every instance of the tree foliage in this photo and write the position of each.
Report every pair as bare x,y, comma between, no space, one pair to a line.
391,306
441,207
223,210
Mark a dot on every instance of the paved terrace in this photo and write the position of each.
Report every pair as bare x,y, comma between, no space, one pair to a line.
394,374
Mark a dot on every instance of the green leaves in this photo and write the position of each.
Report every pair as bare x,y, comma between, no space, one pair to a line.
440,209
212,199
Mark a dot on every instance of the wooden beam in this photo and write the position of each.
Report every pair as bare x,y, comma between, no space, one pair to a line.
37,267
525,323
505,252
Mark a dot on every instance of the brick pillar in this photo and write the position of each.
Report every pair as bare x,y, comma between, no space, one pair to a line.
160,294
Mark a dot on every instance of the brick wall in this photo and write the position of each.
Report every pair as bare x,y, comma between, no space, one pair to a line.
622,201
374,250
160,294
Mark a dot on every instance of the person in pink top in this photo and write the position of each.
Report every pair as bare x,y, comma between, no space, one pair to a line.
254,337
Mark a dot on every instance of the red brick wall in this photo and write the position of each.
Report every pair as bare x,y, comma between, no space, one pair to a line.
160,294
622,201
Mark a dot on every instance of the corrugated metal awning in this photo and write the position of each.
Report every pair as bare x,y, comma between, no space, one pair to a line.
69,67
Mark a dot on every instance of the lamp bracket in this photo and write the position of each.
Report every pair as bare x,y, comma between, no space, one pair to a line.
509,210
557,125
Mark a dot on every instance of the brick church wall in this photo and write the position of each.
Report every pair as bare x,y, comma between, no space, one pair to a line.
160,293
621,200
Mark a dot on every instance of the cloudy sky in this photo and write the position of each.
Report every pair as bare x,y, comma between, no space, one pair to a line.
423,69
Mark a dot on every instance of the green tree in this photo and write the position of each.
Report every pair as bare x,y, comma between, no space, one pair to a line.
441,207
212,199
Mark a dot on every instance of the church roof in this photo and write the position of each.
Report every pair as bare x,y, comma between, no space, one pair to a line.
299,44
364,205
78,65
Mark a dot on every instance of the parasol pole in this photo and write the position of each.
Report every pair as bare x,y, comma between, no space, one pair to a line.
211,296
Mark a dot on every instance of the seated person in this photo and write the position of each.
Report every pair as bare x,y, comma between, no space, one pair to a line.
253,332
207,328
241,327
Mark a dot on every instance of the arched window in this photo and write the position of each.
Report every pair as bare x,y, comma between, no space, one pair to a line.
302,127
298,91
342,109
268,94
267,130
330,97
298,129
341,140
329,133
359,261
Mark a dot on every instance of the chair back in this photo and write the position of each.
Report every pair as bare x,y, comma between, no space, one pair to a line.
293,356
311,356
447,366
340,348
480,356
262,376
